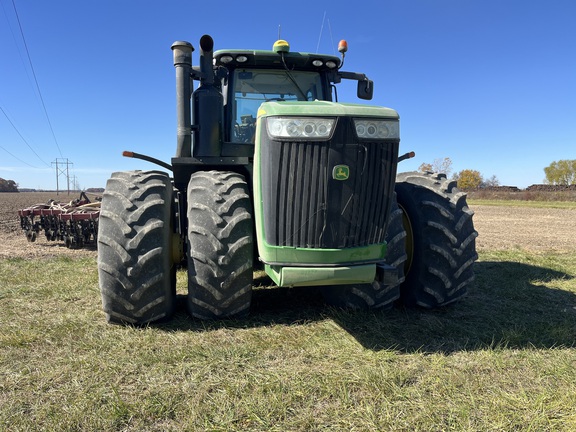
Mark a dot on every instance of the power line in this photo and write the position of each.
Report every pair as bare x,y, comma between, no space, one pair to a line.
35,79
17,158
16,44
26,142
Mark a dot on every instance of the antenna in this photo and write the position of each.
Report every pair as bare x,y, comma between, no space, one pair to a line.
321,29
279,28
324,19
331,38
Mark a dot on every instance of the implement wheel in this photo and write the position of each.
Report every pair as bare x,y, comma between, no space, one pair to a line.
220,245
135,268
440,240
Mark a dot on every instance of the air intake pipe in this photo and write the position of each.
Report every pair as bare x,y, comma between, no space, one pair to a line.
182,52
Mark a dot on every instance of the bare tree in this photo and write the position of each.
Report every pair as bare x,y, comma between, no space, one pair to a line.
439,166
491,182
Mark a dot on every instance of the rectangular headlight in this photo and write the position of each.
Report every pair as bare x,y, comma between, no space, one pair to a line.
300,127
377,129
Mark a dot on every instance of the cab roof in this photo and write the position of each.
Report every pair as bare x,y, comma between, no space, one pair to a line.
270,59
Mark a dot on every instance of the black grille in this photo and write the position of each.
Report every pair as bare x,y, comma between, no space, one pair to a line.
305,207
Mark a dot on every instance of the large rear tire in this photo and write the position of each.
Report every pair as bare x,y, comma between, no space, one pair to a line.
378,294
440,240
220,245
136,274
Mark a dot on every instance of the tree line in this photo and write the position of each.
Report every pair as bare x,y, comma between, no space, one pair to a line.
8,185
561,172
466,179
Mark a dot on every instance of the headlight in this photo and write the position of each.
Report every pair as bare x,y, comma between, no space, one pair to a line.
300,127
377,129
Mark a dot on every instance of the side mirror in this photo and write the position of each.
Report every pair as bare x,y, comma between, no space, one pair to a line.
365,89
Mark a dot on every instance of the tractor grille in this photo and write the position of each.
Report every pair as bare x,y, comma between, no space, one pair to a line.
306,207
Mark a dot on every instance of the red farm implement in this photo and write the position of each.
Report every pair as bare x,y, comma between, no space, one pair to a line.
75,223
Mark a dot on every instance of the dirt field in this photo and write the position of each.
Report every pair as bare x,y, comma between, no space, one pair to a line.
533,229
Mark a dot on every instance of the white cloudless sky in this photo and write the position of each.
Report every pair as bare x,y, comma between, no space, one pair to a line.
490,84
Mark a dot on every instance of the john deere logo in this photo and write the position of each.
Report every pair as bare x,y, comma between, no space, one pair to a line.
341,172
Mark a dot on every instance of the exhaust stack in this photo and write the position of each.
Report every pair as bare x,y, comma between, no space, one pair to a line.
207,103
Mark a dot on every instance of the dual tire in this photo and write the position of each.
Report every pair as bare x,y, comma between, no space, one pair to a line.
431,243
440,239
136,263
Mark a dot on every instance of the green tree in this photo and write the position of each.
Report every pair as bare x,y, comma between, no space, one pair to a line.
468,179
439,166
562,172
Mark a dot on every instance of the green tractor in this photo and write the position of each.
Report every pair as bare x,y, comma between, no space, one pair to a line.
272,172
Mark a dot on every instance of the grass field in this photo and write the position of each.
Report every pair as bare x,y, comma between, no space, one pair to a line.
501,359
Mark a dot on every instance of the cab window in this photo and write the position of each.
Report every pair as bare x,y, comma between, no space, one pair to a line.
252,87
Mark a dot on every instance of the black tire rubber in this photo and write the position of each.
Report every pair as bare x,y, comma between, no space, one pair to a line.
396,242
220,245
441,243
375,295
137,277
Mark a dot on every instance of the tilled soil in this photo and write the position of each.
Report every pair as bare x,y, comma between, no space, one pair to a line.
532,229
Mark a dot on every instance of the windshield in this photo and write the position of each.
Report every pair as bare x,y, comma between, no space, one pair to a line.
254,86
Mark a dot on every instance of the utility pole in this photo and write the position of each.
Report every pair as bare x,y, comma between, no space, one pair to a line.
75,184
61,171
57,188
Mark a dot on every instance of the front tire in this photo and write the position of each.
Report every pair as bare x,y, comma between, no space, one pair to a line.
220,245
440,242
136,275
378,294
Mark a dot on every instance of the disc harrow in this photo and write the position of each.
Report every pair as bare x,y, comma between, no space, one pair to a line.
75,223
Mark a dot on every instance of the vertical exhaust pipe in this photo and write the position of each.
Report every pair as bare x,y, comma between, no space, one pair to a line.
207,59
207,103
182,52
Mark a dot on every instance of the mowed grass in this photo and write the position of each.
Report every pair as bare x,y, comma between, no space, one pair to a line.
501,359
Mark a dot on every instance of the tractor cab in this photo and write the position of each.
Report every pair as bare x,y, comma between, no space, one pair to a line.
250,78
217,129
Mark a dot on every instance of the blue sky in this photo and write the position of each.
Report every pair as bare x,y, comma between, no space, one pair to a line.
490,84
